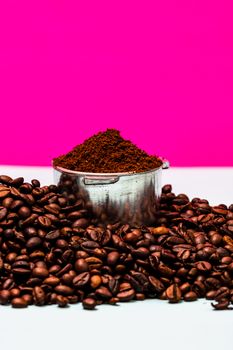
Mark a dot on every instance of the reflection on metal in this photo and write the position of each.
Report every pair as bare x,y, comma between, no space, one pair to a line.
127,197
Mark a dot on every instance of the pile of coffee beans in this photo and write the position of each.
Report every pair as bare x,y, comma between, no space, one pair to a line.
53,251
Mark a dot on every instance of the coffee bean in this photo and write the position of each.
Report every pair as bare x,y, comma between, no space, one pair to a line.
81,280
221,305
27,298
52,235
83,223
38,296
17,182
126,295
112,258
93,262
81,265
132,236
63,270
96,281
64,290
73,299
44,222
173,293
103,292
204,266
156,284
140,296
5,179
199,288
19,303
222,293
159,230
89,246
61,301
89,303
24,212
4,191
4,296
15,292
67,279
35,183
21,268
33,243
52,208
166,189
190,296
3,213
52,281
40,272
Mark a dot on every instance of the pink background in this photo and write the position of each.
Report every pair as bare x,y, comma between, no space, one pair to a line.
159,71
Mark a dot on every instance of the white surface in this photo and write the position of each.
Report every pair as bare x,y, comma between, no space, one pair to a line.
150,324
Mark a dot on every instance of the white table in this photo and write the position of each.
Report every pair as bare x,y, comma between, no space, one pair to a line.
151,324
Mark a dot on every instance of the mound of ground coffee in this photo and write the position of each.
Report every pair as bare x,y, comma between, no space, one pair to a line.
107,152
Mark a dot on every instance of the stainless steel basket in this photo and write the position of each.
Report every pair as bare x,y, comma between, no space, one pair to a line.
126,197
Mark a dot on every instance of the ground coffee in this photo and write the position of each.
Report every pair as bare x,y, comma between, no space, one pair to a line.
107,152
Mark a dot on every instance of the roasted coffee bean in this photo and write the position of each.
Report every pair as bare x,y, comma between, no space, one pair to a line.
199,288
63,270
222,293
27,298
39,296
103,292
156,284
35,183
61,301
113,258
204,266
52,208
94,263
96,281
221,305
44,222
64,290
19,303
3,213
33,243
173,293
5,179
190,296
210,295
89,303
159,230
52,235
126,295
52,281
24,212
4,296
132,236
67,279
140,296
40,272
82,223
81,265
81,280
4,191
17,182
89,246
14,292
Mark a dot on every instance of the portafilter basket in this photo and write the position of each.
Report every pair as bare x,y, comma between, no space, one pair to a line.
128,197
